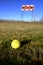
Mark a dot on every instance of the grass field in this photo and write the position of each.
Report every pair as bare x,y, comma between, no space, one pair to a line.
30,53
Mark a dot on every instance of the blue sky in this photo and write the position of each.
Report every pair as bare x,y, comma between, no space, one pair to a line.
11,10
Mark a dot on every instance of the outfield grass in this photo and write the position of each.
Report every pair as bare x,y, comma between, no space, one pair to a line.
31,52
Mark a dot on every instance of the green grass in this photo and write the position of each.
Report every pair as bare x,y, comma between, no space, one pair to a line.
30,53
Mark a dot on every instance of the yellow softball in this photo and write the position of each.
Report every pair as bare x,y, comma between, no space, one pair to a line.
15,44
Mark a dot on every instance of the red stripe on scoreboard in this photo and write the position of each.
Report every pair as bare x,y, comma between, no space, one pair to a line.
31,7
24,7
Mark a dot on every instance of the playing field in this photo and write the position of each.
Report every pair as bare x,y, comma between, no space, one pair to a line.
31,52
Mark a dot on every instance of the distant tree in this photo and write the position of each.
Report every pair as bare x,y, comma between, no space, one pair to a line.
41,20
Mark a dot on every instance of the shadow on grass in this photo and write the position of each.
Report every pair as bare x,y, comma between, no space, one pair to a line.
23,42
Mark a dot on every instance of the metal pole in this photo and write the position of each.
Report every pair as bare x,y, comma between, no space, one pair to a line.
34,18
22,15
32,15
